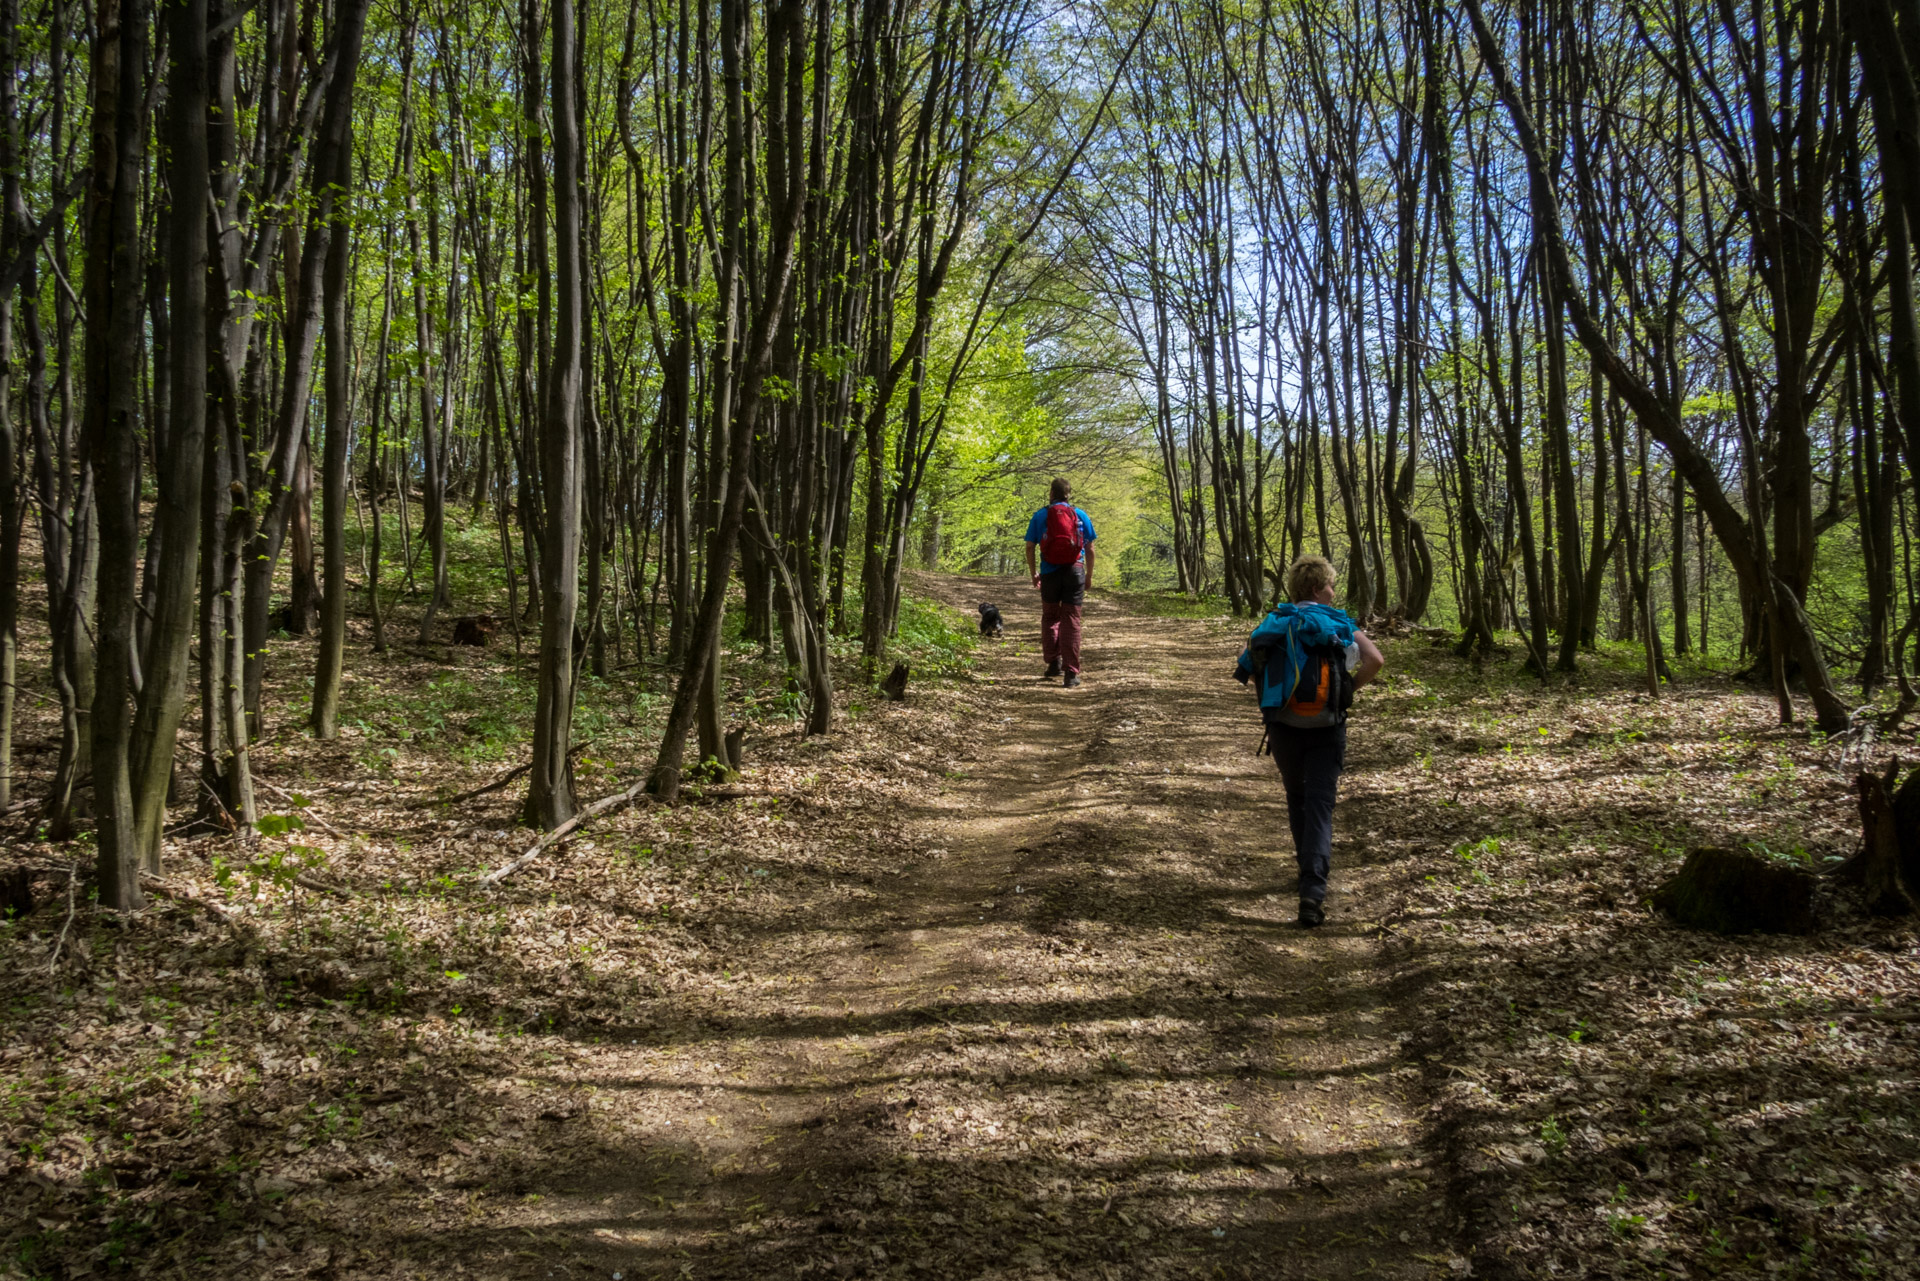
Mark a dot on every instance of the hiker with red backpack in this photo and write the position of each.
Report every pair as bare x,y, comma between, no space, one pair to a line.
1063,536
1305,660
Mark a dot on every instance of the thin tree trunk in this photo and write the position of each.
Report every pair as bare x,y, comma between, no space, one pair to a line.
176,523
303,600
113,294
550,798
325,718
1677,558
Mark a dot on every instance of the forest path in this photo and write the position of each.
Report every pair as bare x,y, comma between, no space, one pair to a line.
1080,1036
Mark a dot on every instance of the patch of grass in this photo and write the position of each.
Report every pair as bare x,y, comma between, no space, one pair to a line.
936,640
1169,603
473,714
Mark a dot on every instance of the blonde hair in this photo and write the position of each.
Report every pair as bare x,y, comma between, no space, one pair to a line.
1306,576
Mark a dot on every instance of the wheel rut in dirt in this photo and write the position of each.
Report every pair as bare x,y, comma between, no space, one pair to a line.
1078,1034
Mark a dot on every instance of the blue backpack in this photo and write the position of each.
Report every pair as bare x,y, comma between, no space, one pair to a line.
1297,660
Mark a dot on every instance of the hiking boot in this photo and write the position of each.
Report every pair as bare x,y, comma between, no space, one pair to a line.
1053,668
1073,678
1311,913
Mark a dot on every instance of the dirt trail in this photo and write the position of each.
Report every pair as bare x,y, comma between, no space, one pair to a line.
1079,1035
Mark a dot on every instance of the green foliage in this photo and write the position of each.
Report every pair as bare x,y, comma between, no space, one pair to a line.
933,639
1013,422
1794,854
475,714
1475,855
277,866
1552,1137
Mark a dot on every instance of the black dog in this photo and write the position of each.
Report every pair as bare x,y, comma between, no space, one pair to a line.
990,624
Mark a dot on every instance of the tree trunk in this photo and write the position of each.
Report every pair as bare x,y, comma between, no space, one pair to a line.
550,798
176,522
10,505
748,373
1566,501
433,461
113,277
325,718
1677,561
303,599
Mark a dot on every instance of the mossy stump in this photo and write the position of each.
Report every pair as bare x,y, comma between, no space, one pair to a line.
1737,892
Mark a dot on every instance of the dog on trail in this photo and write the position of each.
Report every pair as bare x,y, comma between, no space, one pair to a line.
990,623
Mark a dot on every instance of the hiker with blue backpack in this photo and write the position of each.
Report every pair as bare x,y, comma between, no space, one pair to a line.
1063,536
1305,659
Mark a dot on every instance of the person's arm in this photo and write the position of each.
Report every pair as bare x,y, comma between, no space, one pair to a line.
1088,580
1033,571
1371,660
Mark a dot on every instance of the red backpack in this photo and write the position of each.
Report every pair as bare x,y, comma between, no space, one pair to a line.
1061,543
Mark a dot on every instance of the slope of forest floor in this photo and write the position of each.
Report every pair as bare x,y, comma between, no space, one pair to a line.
1001,981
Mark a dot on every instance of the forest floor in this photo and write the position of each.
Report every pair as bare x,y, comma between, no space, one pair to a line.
1003,981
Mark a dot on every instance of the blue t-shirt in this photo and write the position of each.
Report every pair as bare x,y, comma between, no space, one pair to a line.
1037,530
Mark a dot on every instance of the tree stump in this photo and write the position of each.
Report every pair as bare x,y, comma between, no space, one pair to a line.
1888,865
295,618
474,629
16,893
1737,892
895,686
183,785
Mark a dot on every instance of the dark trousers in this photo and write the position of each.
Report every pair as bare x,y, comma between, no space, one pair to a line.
1310,762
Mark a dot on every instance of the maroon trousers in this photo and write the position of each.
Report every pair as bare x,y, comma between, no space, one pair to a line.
1061,593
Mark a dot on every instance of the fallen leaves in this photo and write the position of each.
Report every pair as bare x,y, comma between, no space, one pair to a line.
1620,1096
259,1072
772,1045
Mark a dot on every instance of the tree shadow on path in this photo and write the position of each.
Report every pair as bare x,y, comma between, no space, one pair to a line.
1084,1039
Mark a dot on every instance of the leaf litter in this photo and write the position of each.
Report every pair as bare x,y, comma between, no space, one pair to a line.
957,995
